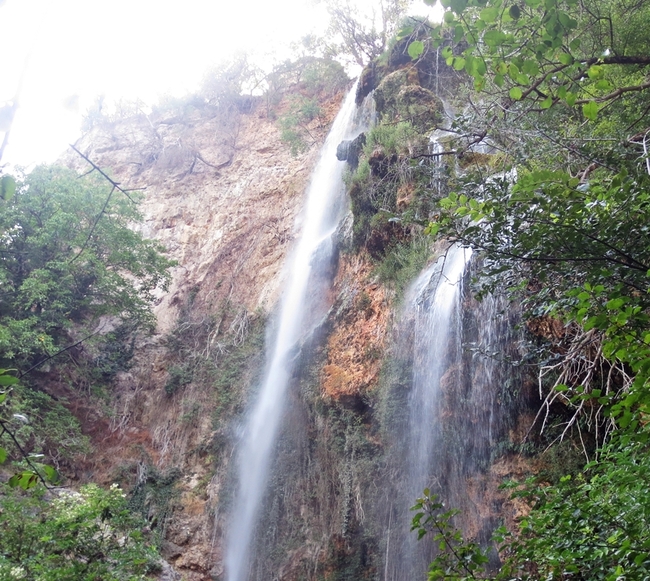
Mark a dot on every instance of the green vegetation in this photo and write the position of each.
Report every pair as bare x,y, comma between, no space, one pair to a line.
387,190
219,355
77,284
84,536
590,526
560,214
71,262
295,124
303,84
403,262
359,34
153,496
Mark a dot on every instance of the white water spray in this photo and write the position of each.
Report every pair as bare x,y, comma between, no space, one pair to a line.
459,352
435,300
429,343
312,255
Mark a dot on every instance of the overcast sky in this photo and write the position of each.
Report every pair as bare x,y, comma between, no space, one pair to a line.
69,51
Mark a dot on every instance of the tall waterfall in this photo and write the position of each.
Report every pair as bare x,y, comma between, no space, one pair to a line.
451,349
301,306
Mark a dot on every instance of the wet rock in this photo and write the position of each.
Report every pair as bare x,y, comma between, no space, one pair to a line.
350,149
399,97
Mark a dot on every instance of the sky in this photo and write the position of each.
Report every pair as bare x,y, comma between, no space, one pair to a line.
63,53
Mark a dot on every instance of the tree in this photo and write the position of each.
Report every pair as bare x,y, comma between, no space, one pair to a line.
85,535
361,34
559,209
70,261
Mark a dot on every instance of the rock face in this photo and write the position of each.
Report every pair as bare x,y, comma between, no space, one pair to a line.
356,344
224,196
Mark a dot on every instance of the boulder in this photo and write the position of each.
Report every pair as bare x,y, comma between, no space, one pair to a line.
350,149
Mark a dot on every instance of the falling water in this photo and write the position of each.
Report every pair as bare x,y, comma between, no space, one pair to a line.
452,347
435,301
298,315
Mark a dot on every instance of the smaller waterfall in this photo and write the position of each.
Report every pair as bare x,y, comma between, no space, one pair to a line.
434,299
450,385
300,309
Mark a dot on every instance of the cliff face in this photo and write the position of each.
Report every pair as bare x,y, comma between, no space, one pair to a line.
224,195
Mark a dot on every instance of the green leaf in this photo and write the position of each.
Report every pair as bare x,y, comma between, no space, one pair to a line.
28,480
546,103
530,67
494,37
415,49
489,15
590,110
515,93
3,455
432,229
8,380
515,12
404,32
595,72
458,6
7,187
603,85
565,59
458,63
50,473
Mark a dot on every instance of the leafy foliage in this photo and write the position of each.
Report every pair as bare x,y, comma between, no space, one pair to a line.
594,525
295,124
560,212
457,559
29,470
304,84
547,51
86,536
360,33
70,258
591,526
568,225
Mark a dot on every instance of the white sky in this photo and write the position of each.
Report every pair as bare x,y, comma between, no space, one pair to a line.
70,51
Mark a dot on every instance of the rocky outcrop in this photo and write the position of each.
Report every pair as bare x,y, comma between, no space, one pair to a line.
349,150
356,344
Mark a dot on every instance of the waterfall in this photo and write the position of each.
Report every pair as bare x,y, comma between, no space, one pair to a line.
434,300
300,309
452,418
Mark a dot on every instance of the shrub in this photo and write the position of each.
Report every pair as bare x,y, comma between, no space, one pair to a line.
294,123
84,536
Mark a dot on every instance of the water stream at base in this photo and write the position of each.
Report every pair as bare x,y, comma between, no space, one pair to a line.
300,310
